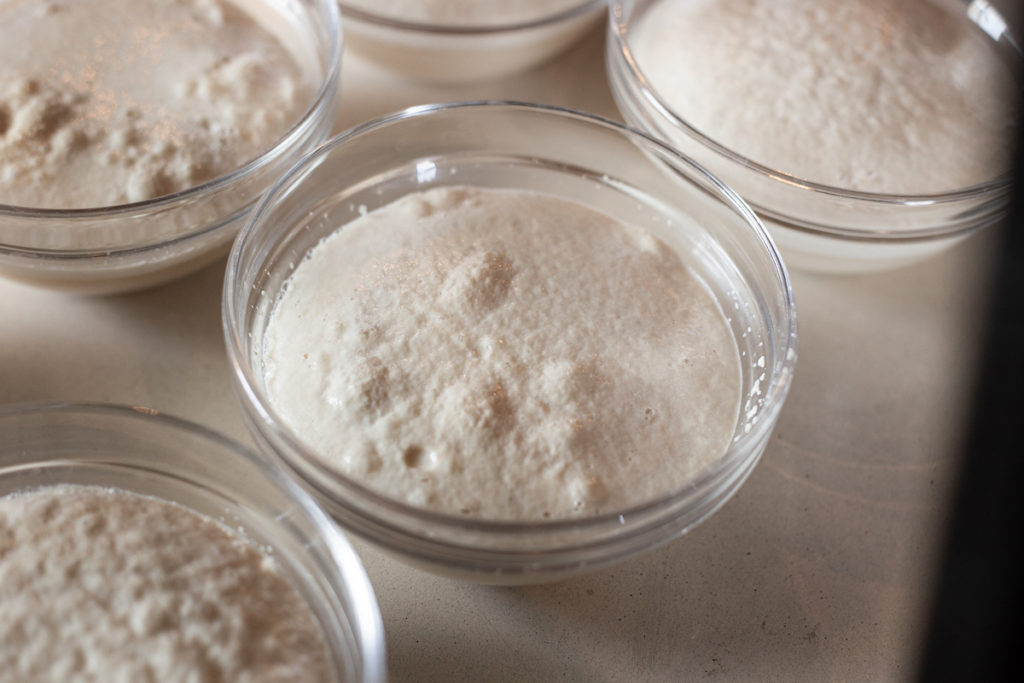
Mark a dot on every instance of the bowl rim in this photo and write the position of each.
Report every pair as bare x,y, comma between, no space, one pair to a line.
578,10
1000,186
244,374
349,572
324,91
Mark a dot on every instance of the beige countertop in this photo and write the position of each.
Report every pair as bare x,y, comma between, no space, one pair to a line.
818,569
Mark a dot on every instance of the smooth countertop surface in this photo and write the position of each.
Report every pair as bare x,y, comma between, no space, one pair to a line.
819,569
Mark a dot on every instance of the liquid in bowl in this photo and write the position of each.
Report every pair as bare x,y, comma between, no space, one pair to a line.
134,136
867,134
467,149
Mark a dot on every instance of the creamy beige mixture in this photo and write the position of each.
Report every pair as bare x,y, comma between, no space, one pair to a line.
464,12
873,95
104,102
105,585
503,354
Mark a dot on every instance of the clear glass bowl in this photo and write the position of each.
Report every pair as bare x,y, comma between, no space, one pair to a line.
139,450
136,245
817,227
579,157
456,54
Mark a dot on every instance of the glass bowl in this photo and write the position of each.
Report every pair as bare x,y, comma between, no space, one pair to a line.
571,155
818,227
141,451
131,246
464,53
